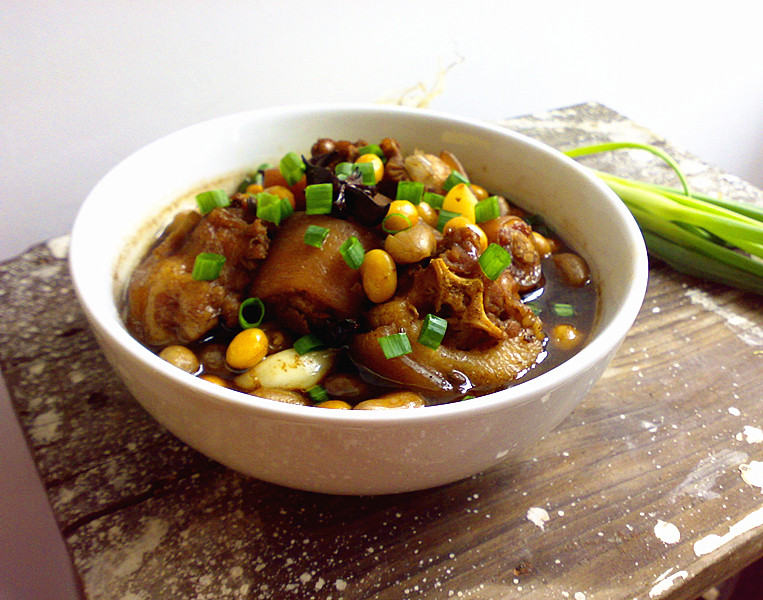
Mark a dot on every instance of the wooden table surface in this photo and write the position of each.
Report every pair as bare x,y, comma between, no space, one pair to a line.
651,488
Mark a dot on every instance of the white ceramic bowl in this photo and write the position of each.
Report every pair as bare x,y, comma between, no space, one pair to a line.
335,451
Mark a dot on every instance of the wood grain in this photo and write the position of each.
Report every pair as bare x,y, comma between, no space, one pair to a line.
660,441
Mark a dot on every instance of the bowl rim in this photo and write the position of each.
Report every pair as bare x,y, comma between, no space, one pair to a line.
605,342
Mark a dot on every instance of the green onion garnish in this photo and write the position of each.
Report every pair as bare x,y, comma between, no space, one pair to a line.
434,200
315,235
318,394
494,260
367,174
533,306
269,207
246,182
413,191
453,180
212,199
287,209
292,167
433,331
250,313
563,310
344,169
207,266
353,252
444,217
372,149
710,238
308,343
395,345
487,209
318,198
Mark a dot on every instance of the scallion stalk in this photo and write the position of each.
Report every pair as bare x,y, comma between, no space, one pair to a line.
710,238
207,266
395,344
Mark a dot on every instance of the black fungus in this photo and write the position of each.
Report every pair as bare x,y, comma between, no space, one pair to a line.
352,199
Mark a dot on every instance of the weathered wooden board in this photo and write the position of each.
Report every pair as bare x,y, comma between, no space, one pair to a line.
650,489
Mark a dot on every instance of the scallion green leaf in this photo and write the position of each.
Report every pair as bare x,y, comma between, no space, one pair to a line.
434,200
487,209
562,309
318,198
292,167
453,180
308,343
211,199
315,235
344,169
413,191
433,331
396,344
207,266
269,207
353,252
318,394
444,216
287,209
494,260
250,313
366,170
372,149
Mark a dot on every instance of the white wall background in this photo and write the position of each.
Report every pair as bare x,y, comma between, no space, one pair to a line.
85,83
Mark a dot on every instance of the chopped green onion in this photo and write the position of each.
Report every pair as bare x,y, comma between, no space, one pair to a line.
395,345
212,199
434,200
563,310
487,209
413,191
318,198
246,182
433,331
344,169
713,239
318,394
535,307
257,176
444,217
308,343
494,260
287,209
250,313
292,167
367,173
269,207
207,266
372,149
453,180
353,252
315,235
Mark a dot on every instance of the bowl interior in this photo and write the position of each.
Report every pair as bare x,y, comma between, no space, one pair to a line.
122,215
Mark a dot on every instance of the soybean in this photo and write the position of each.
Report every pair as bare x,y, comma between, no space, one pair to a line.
181,357
247,349
573,269
378,274
400,399
411,245
335,404
566,337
